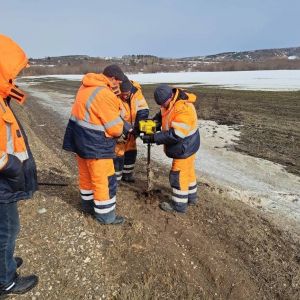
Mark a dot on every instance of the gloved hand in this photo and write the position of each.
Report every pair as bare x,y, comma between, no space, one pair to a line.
135,132
122,139
147,138
158,126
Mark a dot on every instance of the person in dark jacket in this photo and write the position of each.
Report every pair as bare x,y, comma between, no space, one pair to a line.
17,169
181,139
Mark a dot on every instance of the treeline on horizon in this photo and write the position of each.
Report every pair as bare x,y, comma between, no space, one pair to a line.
51,66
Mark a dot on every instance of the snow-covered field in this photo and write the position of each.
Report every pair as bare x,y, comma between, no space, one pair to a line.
255,181
278,80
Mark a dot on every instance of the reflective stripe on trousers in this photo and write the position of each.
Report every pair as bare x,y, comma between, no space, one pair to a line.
97,175
183,181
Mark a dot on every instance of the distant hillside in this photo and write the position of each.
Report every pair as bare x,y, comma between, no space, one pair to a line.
256,55
267,59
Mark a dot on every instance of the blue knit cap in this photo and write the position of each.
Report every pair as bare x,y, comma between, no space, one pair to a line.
162,93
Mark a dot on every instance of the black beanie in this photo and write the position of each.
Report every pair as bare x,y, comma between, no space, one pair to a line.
114,71
162,93
126,85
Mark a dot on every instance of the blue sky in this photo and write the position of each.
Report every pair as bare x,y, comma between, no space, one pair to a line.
166,28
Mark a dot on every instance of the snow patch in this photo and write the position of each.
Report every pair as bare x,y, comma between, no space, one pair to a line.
278,80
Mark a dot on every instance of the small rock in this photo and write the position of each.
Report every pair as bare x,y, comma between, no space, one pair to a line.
42,210
87,260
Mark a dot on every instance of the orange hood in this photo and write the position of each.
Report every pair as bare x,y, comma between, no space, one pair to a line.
12,60
191,97
93,79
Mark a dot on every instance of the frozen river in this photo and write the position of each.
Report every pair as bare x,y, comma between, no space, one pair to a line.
278,80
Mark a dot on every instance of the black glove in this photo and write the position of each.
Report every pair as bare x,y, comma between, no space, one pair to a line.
158,126
135,132
147,138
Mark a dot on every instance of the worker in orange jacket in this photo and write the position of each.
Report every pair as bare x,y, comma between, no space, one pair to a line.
134,109
18,179
180,136
93,129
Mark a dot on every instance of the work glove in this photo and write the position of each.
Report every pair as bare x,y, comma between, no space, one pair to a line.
13,172
148,139
122,139
135,132
158,126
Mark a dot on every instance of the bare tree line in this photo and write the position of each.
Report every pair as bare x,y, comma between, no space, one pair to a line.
154,65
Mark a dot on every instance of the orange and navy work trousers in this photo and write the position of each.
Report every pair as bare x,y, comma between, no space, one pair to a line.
126,156
183,182
98,187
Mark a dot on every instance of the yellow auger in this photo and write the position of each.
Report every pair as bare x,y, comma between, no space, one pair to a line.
148,127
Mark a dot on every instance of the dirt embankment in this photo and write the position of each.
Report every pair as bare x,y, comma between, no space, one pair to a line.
220,249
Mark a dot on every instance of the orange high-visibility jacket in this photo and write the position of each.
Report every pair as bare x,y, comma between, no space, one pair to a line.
125,115
12,61
138,107
95,121
180,133
132,111
12,138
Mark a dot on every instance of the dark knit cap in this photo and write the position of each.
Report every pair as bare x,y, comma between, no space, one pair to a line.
114,71
126,85
162,93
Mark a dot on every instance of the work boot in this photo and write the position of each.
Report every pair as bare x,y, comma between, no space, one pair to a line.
166,206
119,220
192,202
20,285
19,261
128,177
169,207
87,206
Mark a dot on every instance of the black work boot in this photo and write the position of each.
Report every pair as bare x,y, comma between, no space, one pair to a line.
119,220
20,285
87,206
128,177
166,206
169,207
19,261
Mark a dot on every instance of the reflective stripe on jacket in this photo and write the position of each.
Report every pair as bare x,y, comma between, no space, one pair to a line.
139,109
180,133
11,141
95,121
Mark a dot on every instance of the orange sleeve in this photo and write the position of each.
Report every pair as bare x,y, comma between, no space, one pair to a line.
183,120
108,108
140,101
